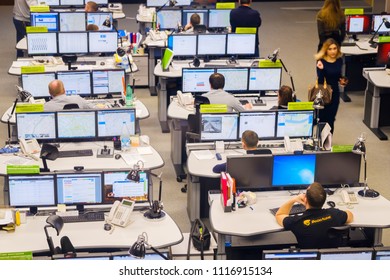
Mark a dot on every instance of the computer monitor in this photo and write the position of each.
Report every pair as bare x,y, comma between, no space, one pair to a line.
50,20
236,78
79,188
261,122
72,42
99,2
333,169
377,20
49,2
196,79
211,44
289,254
116,186
219,126
295,124
383,55
37,83
293,171
346,254
182,44
76,125
168,18
103,20
72,2
40,125
72,21
358,24
219,18
103,42
155,3
265,79
203,14
42,43
181,3
107,81
108,124
241,44
76,82
31,190
251,172
381,253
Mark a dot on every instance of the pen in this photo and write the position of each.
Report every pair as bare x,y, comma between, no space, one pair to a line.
251,207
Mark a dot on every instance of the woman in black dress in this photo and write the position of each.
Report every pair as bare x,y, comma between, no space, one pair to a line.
329,64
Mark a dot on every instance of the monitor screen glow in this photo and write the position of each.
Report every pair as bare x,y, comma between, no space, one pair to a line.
72,2
38,89
103,42
264,79
261,122
236,79
383,55
358,24
295,124
76,82
377,20
222,126
219,18
196,79
72,21
187,13
103,20
72,42
77,124
346,254
168,19
42,43
183,45
39,126
290,254
107,81
108,125
50,20
211,44
241,44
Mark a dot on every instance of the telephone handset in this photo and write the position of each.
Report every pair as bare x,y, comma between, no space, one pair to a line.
349,197
29,146
292,145
120,212
185,99
158,35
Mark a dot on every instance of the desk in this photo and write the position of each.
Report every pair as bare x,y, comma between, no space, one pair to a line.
151,161
91,235
153,46
368,214
377,100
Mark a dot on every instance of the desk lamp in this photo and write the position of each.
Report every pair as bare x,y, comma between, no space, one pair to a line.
360,149
137,250
318,104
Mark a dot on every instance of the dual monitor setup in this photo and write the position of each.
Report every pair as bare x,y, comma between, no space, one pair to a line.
76,189
212,44
269,125
294,171
70,3
75,125
72,21
85,83
366,24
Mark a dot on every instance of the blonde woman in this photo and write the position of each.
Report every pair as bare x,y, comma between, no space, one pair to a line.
331,22
329,64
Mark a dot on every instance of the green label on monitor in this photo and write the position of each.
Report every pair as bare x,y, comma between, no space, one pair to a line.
342,148
23,169
384,39
36,29
16,256
29,107
264,63
32,69
40,9
300,105
227,5
246,30
213,108
354,11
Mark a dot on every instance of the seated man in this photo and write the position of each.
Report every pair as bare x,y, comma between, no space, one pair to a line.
91,7
311,227
60,99
194,20
285,95
249,140
218,96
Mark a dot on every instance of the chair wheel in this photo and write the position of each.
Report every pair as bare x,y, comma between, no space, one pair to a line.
184,189
179,179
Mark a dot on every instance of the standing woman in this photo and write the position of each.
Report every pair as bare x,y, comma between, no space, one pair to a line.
329,64
331,22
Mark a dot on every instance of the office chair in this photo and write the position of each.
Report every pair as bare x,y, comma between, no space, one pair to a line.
338,236
193,130
259,152
71,106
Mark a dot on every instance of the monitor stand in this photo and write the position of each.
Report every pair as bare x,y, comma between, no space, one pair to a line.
33,210
80,208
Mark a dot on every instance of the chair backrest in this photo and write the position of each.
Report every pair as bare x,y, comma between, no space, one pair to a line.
259,152
71,106
338,236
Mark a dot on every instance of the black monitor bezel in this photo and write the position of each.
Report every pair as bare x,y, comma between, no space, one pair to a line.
219,139
54,74
51,12
269,112
94,94
265,89
213,35
292,112
75,139
90,34
236,91
116,111
43,53
72,13
41,140
195,69
209,18
182,36
252,54
363,32
73,52
90,94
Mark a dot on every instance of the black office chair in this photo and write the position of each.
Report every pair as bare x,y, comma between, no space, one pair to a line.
338,236
193,129
71,106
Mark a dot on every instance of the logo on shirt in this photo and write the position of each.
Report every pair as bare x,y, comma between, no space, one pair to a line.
310,222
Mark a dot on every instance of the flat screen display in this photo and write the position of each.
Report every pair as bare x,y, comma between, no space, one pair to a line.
72,21
295,124
50,20
196,79
358,24
203,14
168,19
381,253
39,126
211,44
103,20
117,187
42,43
241,44
183,45
108,124
219,18
72,2
76,124
261,122
377,20
236,79
293,170
76,82
290,254
72,42
215,127
264,79
383,55
107,81
38,89
103,42
346,254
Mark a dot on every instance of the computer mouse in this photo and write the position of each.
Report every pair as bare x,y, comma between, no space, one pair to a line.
218,156
118,156
331,203
102,63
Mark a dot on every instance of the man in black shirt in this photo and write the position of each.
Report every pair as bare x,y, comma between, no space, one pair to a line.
311,227
245,16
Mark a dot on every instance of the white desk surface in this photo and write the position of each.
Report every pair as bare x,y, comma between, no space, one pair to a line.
108,61
248,222
31,236
380,78
151,161
362,47
141,111
176,111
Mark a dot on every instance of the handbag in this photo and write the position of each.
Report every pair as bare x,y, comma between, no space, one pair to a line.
325,89
200,237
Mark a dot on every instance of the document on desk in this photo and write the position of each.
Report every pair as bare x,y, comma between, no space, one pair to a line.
204,154
20,63
132,159
19,160
144,150
6,216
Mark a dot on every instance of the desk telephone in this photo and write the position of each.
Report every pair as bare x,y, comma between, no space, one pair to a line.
158,35
185,99
120,212
349,197
292,145
29,146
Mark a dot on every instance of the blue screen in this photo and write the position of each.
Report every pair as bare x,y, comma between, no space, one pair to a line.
293,170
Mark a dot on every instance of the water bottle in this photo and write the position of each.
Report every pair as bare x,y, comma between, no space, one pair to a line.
125,137
129,96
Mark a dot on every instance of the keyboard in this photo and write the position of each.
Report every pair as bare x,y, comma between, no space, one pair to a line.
348,44
88,62
76,153
207,65
296,209
86,217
